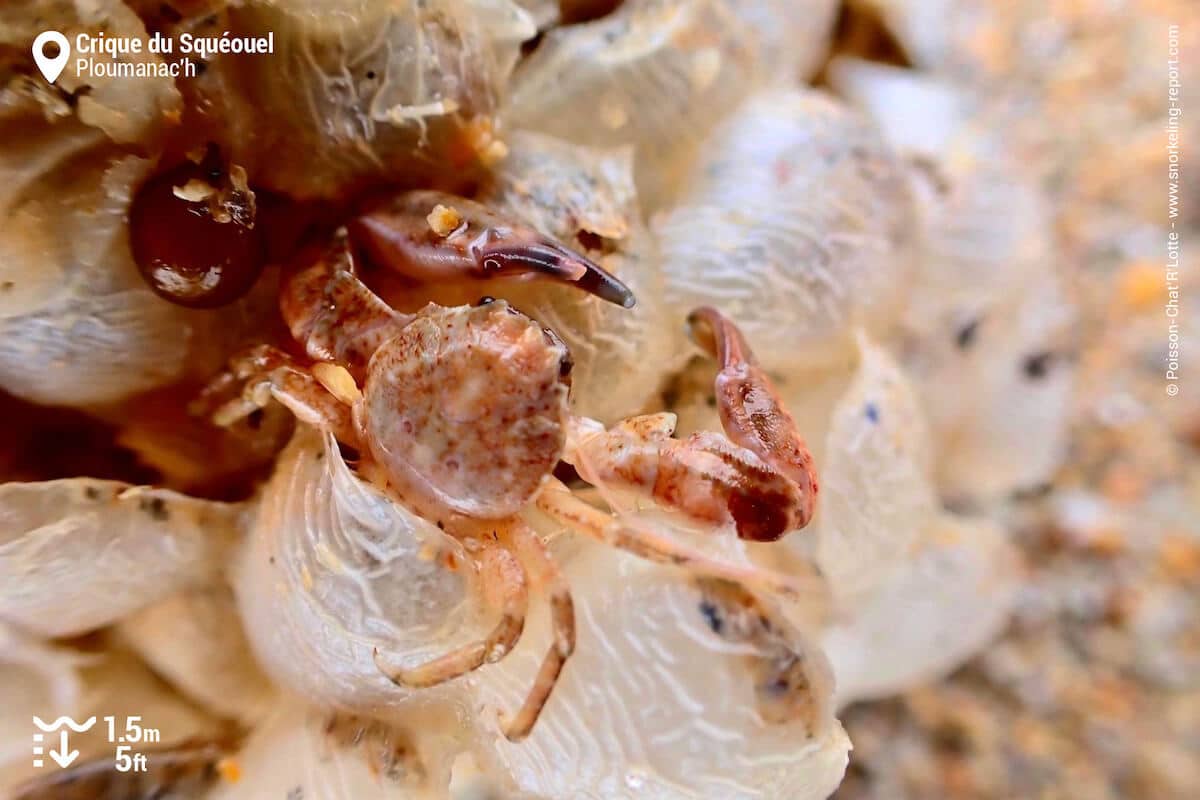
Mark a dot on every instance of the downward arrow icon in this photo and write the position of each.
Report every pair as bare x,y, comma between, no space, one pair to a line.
61,756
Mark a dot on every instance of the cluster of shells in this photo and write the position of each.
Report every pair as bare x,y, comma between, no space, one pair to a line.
888,260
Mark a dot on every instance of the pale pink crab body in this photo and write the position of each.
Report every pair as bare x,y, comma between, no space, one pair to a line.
466,409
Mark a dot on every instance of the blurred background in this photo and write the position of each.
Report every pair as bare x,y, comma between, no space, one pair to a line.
1092,689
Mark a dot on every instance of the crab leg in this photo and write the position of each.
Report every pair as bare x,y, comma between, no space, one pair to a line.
267,373
431,236
500,568
557,501
751,412
531,550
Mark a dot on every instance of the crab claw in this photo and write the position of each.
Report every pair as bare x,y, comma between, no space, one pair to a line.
509,255
750,408
432,236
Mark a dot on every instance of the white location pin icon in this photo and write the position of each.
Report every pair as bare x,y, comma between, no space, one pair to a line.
51,67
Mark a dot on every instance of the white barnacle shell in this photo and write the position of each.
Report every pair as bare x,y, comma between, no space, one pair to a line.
29,278
654,703
333,569
945,603
795,220
78,554
372,89
1013,383
308,752
988,327
876,479
791,36
918,114
194,639
913,591
579,195
985,223
78,326
656,74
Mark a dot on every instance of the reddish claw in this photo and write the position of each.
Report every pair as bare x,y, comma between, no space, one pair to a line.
759,476
750,409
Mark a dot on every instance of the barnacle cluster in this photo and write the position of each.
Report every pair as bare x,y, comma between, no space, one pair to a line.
511,398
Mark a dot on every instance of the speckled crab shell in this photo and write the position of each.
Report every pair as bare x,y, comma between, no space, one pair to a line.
466,407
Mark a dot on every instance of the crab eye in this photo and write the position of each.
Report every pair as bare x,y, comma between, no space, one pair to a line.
183,252
566,363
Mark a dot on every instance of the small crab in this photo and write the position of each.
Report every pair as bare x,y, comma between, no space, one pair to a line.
461,415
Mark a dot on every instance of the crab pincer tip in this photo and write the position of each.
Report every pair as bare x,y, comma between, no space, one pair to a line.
556,262
603,284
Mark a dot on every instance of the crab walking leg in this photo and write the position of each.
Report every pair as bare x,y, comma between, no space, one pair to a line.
268,373
431,236
262,358
532,551
751,412
557,501
499,568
